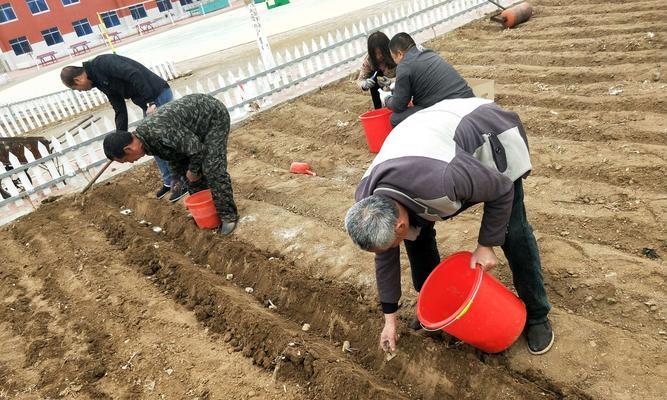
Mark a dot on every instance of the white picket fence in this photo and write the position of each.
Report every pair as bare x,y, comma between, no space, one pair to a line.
25,116
70,164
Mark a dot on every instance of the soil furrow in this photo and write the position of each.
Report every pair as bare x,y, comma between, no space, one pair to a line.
560,59
453,42
599,10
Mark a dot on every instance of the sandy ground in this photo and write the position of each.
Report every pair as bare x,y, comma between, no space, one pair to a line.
96,305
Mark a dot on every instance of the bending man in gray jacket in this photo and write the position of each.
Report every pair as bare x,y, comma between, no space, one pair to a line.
433,166
421,76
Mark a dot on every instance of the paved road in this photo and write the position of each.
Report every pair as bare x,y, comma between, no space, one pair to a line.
203,37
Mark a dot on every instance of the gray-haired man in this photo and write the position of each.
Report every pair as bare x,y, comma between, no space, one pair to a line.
432,166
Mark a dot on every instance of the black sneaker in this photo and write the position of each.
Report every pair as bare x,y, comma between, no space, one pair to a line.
178,191
162,192
540,338
415,325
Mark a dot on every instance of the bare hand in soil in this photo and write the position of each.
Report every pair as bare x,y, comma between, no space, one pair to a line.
485,257
389,337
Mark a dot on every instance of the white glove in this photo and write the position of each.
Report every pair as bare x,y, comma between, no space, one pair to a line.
367,84
383,81
384,96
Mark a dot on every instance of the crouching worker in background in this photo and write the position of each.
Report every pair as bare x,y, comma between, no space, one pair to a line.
431,167
191,134
378,67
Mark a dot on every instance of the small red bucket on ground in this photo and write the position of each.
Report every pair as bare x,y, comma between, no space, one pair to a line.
377,127
471,305
202,209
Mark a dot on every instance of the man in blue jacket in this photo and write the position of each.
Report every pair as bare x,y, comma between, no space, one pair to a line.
431,167
121,78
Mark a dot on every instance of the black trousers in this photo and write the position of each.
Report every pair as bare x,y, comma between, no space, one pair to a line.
520,249
375,91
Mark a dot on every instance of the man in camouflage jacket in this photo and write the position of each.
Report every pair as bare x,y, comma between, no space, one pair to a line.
191,134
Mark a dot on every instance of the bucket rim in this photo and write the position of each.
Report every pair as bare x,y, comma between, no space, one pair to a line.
380,112
189,202
465,305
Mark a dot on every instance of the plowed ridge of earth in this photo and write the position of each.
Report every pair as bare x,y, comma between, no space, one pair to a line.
97,305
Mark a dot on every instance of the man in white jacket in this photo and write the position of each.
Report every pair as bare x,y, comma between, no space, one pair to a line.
432,166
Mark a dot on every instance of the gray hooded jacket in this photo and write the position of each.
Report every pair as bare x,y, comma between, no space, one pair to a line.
442,160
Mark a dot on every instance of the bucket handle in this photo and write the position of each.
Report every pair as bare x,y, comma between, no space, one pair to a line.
463,311
461,314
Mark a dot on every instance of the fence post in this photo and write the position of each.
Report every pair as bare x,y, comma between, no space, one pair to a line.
8,183
210,85
36,173
30,115
24,127
53,171
68,160
301,68
76,157
199,87
47,110
23,178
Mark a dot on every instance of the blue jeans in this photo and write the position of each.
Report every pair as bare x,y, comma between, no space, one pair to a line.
165,97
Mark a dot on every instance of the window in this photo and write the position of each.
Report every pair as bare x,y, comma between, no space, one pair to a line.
82,27
20,45
138,11
69,2
6,13
110,19
37,6
185,2
52,36
164,5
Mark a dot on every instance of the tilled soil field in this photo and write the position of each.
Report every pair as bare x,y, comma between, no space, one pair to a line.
95,304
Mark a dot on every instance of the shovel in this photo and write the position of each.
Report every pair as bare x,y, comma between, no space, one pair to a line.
96,177
301,168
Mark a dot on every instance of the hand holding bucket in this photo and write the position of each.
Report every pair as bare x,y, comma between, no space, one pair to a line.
471,305
301,168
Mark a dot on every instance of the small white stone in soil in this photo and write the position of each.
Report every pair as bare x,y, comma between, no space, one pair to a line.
126,211
305,327
229,277
157,229
249,290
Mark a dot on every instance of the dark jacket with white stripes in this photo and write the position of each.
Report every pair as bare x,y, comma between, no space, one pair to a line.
442,160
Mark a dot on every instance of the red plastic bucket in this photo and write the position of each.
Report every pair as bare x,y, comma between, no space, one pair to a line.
471,305
202,209
377,127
